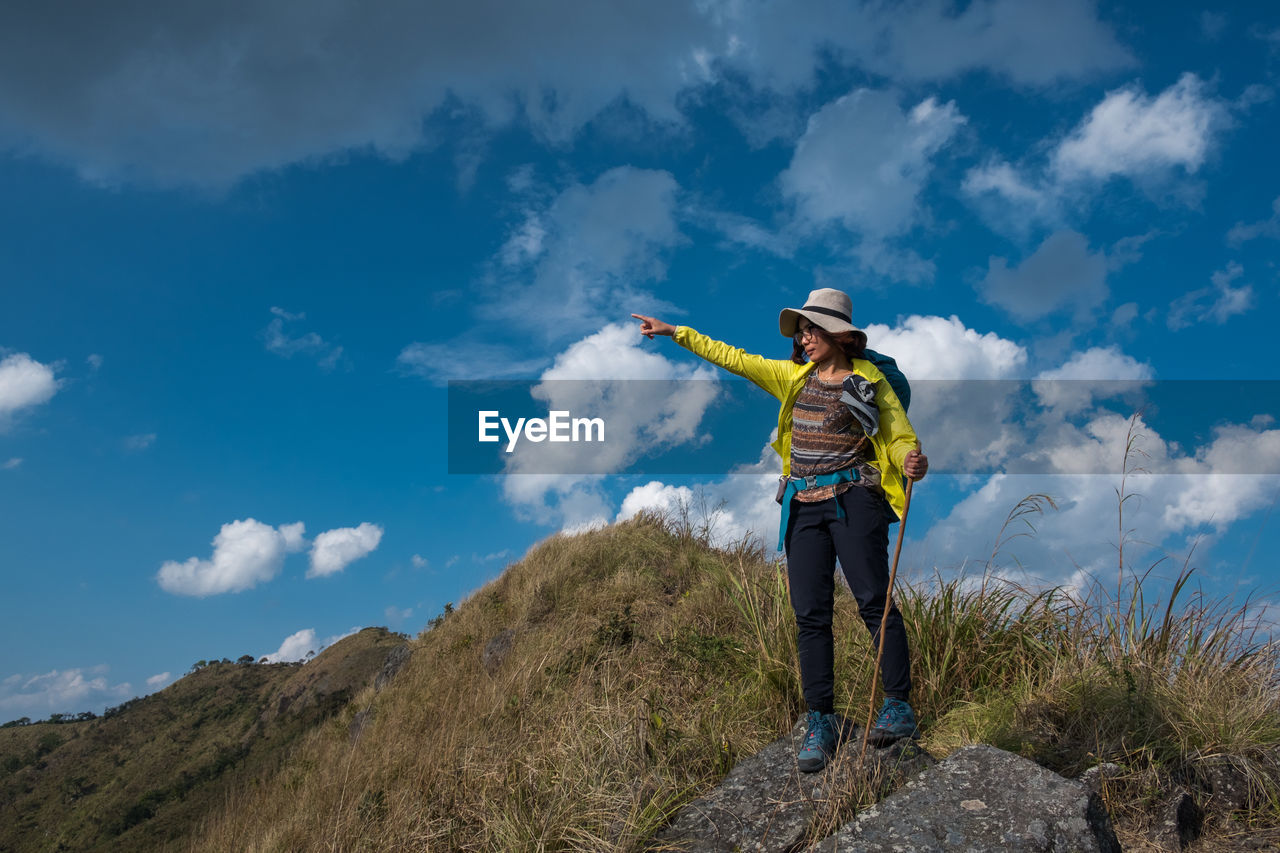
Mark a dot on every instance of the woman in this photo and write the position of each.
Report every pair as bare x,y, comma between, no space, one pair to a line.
845,444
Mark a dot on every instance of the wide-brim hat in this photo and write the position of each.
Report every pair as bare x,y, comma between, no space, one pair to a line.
827,308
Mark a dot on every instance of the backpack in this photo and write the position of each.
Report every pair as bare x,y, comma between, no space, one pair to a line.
897,380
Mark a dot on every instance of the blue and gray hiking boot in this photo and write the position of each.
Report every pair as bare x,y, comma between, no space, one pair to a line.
895,722
820,742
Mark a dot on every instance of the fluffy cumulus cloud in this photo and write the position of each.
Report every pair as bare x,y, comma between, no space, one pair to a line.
213,94
863,160
647,402
730,509
24,382
1152,141
1130,133
962,396
303,644
1088,375
1061,273
334,550
863,163
245,554
930,347
296,646
65,691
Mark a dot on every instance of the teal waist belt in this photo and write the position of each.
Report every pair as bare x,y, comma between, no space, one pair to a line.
795,484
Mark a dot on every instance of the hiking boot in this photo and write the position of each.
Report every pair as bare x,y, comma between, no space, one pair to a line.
819,744
895,722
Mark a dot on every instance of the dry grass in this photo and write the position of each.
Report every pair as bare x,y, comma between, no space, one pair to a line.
643,663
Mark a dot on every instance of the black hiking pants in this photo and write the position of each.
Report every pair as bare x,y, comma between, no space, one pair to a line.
815,538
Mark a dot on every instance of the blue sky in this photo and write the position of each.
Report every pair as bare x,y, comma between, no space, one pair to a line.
246,248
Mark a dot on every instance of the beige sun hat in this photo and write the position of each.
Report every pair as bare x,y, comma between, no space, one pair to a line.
827,308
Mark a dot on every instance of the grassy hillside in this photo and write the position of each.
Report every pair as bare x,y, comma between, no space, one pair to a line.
146,774
611,676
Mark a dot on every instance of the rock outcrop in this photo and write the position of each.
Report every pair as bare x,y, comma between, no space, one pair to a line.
981,799
766,804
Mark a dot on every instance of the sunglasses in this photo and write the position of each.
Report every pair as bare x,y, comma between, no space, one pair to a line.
809,331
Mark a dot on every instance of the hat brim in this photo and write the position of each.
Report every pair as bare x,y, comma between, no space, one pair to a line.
790,318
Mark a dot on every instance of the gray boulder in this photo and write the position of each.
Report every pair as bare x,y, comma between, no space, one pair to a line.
981,799
766,804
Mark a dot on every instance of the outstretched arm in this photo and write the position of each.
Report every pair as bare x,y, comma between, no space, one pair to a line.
773,375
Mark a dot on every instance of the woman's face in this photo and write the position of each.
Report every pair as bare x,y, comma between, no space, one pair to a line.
816,344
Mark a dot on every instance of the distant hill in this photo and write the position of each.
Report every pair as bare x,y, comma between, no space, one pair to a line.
149,772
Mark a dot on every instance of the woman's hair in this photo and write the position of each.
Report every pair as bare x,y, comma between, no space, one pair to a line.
854,344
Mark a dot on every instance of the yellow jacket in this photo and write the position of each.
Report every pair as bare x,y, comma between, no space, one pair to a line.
784,378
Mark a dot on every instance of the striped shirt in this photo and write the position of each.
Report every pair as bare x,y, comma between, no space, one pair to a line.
826,437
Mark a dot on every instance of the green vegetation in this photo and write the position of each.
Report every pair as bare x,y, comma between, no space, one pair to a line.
145,773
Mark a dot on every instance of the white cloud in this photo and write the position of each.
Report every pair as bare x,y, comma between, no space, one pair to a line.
11,463
95,362
744,231
594,243
64,691
1178,496
299,644
245,553
1217,303
736,507
142,441
24,382
419,561
295,647
1153,142
959,402
281,343
241,87
1030,42
1033,202
1132,134
1092,374
441,362
333,550
159,680
1061,273
293,536
597,245
863,161
397,614
931,347
1241,233
1099,363
619,377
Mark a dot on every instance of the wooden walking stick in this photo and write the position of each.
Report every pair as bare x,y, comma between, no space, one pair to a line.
888,605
